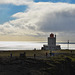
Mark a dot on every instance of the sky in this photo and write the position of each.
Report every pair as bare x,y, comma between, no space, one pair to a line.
34,20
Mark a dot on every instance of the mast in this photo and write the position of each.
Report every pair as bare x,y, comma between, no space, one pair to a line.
68,45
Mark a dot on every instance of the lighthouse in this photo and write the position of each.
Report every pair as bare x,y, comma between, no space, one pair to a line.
52,42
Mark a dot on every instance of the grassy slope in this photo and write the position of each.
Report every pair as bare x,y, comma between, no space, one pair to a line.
32,52
56,65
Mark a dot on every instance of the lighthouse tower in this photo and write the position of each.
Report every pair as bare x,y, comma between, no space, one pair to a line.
52,42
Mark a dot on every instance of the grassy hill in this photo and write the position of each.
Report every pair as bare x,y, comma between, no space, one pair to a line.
61,64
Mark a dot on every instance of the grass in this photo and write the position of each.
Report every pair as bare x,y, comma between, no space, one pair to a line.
28,52
60,64
32,52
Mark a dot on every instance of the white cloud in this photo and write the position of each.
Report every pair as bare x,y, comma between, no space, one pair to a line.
41,19
16,2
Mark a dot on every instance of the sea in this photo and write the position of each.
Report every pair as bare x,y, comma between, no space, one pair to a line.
23,45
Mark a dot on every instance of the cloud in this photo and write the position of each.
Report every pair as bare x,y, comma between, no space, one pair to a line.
42,18
59,20
50,16
16,2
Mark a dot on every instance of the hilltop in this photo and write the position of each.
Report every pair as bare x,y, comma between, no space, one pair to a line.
61,64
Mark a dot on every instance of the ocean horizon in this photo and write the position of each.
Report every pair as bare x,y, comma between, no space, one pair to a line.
30,45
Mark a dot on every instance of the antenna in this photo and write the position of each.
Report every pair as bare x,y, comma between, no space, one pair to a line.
68,45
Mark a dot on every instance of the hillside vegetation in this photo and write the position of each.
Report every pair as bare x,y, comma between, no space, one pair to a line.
54,65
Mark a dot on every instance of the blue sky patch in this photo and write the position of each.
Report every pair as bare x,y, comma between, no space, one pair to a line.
66,1
7,10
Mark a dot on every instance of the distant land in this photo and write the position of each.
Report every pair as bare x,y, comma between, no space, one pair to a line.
61,42
65,42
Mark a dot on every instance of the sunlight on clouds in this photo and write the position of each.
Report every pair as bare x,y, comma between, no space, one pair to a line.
19,38
40,19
